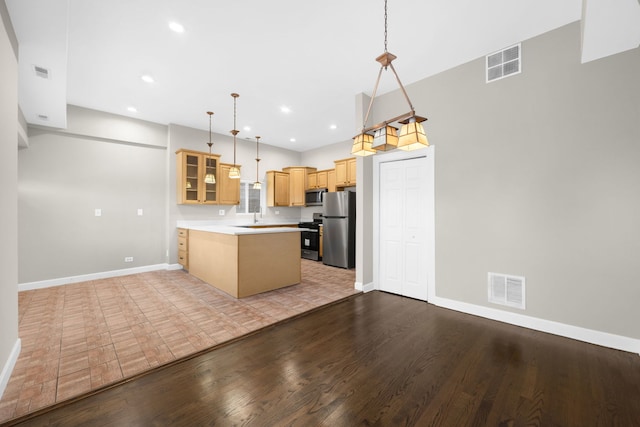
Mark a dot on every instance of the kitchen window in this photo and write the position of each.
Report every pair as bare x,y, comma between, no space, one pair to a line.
249,198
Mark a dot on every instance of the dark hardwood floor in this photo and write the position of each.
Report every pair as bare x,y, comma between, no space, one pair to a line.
377,359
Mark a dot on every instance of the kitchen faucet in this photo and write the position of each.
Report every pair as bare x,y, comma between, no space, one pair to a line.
255,216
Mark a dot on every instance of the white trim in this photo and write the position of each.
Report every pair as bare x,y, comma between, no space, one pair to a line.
604,339
94,276
171,267
7,369
368,287
429,155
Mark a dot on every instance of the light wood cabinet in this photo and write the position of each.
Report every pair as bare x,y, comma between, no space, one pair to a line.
318,179
277,188
312,180
183,248
191,168
345,172
297,184
229,188
331,180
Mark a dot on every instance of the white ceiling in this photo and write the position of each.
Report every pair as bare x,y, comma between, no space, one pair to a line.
313,57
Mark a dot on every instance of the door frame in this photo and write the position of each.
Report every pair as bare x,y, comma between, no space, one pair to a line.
428,156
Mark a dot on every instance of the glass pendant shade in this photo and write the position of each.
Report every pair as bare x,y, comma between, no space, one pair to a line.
257,185
234,173
362,145
385,138
412,136
209,178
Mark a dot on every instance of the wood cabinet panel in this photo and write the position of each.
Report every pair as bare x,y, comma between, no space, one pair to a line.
312,180
183,248
297,184
191,168
322,179
331,180
345,172
277,189
229,188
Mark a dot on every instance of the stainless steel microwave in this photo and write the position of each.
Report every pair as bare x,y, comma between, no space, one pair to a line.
314,197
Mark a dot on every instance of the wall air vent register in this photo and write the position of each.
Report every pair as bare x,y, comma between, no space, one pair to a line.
41,72
506,290
504,63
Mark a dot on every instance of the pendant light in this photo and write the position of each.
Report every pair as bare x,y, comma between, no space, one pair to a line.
234,172
210,173
257,185
412,135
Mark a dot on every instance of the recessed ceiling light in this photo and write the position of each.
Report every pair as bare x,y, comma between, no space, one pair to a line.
147,78
132,109
176,27
247,128
285,109
292,140
333,127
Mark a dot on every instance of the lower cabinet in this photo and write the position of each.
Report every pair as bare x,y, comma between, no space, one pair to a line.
183,248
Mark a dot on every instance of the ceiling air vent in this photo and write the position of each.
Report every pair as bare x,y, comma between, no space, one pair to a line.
41,72
506,290
504,63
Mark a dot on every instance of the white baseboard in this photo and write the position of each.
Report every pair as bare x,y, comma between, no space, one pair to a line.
364,288
368,287
7,369
93,276
604,339
172,267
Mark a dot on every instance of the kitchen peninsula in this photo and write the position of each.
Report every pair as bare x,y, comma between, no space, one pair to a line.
242,260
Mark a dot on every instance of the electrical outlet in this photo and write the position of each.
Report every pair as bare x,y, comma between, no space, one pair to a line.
98,212
221,212
128,259
277,212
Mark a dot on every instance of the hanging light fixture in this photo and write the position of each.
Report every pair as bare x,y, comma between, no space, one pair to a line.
412,135
210,175
234,172
257,185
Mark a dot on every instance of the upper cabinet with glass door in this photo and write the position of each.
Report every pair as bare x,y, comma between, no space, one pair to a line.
196,177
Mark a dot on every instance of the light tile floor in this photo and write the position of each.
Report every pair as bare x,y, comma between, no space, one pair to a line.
79,337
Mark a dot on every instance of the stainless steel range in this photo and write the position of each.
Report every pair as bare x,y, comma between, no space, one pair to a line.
310,238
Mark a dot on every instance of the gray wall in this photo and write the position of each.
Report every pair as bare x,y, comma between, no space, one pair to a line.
538,175
8,193
65,175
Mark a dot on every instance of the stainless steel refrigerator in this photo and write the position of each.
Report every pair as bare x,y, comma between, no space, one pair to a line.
339,229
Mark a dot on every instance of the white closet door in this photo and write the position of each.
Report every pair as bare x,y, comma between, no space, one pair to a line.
402,207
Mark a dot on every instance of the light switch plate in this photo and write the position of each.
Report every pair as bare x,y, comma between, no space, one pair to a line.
221,212
98,212
139,212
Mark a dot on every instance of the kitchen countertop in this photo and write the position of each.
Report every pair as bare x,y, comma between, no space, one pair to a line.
238,230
